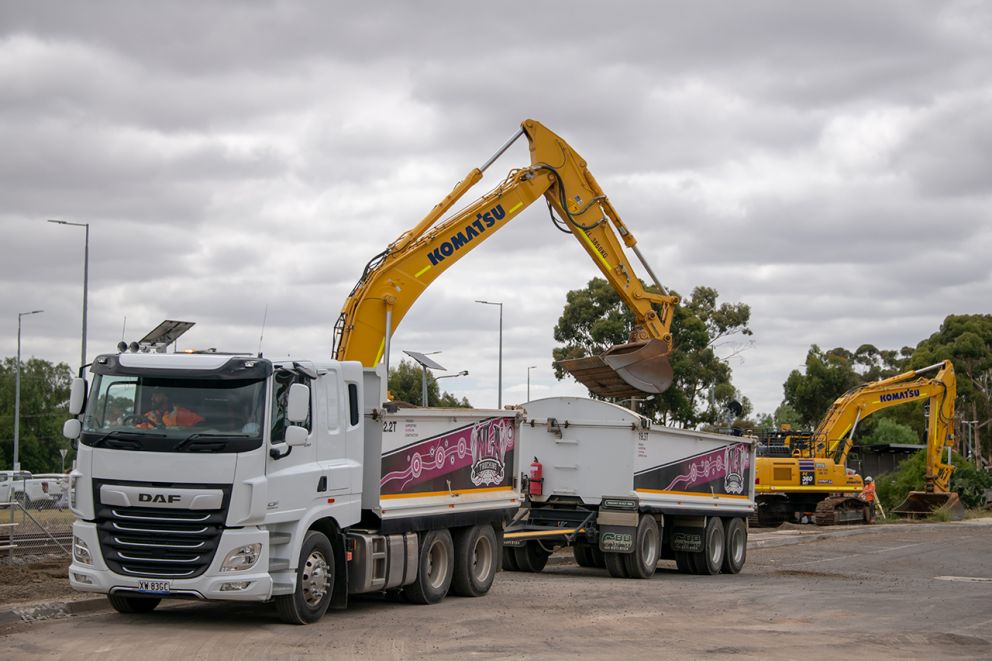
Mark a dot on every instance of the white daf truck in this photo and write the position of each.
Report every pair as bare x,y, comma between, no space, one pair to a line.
624,493
233,477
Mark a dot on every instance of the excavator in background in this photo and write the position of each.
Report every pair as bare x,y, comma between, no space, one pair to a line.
808,472
394,279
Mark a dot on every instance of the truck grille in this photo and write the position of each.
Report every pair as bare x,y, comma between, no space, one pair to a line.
152,542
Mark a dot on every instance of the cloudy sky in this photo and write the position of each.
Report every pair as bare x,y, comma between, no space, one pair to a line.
829,164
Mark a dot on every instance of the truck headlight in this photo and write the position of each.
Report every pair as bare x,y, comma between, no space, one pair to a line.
81,552
242,558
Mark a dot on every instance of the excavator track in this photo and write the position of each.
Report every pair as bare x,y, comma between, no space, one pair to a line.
837,510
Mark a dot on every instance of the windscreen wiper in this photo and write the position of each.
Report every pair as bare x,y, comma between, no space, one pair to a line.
118,435
186,442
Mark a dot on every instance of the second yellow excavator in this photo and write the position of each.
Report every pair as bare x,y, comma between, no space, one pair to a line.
393,279
810,473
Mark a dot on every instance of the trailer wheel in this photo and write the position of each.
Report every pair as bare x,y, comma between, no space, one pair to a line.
510,559
710,560
314,582
434,570
475,561
615,564
127,604
598,559
643,562
683,561
531,556
583,555
736,552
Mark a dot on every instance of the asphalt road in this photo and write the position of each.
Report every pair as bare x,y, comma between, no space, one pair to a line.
891,592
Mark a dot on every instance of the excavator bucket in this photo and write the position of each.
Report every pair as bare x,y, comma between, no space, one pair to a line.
919,504
625,370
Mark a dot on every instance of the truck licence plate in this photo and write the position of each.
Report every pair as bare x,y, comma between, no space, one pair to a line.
158,587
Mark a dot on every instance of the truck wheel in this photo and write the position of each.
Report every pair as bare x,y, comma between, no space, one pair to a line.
709,561
434,569
475,561
583,555
598,560
615,564
509,559
643,562
126,604
683,561
736,553
531,556
314,582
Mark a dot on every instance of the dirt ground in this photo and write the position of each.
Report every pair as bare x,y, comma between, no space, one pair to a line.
37,578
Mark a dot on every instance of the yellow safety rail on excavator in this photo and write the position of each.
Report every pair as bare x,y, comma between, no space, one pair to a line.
395,278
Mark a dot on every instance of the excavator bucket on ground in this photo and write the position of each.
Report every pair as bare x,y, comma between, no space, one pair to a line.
633,369
920,504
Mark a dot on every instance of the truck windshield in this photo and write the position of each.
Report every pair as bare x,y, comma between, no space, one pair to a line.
174,415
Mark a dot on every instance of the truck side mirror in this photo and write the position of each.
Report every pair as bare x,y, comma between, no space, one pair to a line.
296,435
298,406
72,428
77,396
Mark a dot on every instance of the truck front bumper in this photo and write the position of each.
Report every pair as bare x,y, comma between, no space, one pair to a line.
254,584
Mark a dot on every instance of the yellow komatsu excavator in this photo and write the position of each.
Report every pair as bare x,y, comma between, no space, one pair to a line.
393,280
810,473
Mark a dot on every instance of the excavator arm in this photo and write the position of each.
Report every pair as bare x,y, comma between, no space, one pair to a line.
395,278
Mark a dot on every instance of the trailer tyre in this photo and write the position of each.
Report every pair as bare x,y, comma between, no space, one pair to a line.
531,557
126,604
435,569
615,564
736,542
598,559
583,555
683,561
643,562
510,559
709,561
475,561
314,582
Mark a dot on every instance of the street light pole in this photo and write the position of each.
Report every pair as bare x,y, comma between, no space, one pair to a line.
528,380
17,392
86,280
499,396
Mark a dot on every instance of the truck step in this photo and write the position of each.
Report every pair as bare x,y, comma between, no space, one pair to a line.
278,564
277,538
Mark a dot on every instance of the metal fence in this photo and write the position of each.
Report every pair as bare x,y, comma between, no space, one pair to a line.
34,514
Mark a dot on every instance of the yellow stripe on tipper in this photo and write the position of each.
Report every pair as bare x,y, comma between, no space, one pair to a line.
515,207
422,271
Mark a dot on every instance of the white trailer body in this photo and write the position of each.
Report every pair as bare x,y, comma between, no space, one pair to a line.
243,498
604,471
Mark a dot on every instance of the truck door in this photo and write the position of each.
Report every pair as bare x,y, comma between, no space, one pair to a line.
293,475
330,431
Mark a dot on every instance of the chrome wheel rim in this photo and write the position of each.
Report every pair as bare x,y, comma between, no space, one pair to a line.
315,578
649,549
716,549
737,546
437,565
482,558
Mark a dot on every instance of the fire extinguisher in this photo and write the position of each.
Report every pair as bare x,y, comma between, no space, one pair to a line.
535,482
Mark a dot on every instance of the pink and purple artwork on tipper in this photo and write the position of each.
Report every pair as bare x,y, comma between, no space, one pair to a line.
475,456
725,470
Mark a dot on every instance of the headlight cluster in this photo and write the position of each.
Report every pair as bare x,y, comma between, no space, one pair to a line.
241,558
81,552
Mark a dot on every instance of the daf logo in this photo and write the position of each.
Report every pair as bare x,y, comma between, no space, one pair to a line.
159,498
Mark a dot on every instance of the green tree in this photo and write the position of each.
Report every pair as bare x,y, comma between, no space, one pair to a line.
890,432
828,376
406,385
44,408
595,318
969,482
965,340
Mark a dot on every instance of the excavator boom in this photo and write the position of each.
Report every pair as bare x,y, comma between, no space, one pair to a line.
395,278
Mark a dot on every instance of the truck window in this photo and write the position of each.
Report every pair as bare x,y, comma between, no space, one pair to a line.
353,403
282,380
333,401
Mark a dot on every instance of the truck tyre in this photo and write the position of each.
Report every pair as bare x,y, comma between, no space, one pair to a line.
683,561
615,564
709,561
475,561
643,562
435,568
598,559
531,556
583,555
736,541
314,582
127,604
510,559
